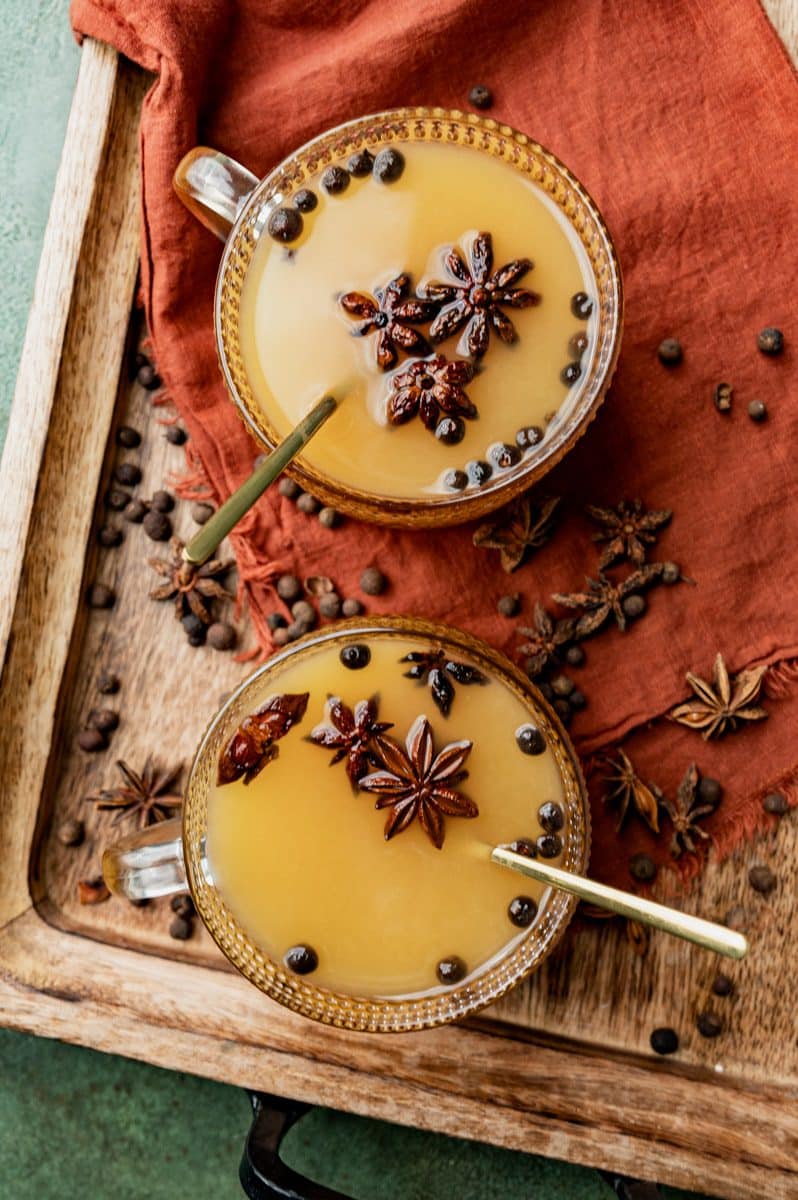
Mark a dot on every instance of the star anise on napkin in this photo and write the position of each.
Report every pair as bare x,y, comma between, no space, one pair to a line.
523,525
627,530
434,667
252,746
192,588
150,795
391,314
685,812
544,638
349,734
625,788
476,295
604,598
717,707
429,386
415,782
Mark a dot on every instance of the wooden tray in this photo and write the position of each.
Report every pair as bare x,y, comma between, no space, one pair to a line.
561,1067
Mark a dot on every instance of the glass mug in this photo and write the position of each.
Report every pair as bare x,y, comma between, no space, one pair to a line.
299,857
236,206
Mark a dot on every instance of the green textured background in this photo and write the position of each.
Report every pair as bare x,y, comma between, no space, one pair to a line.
74,1123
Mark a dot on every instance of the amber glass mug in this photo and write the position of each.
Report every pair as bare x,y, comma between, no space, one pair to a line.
236,206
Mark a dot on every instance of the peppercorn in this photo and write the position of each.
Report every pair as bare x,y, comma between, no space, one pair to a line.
574,656
577,700
563,710
770,340
570,373
289,588
709,1024
92,740
671,572
709,791
109,536
330,606
455,480
642,867
198,638
373,582
128,474
524,847
355,657
176,435
530,740
100,596
289,488
577,344
107,683
148,377
180,929
522,911
276,620
302,960
633,606
104,719
360,164
549,845
664,1041
116,499
162,501
581,305
183,905
308,504
451,970
221,636
303,610
127,437
298,629
508,606
504,456
757,411
157,526
71,832
193,624
450,430
280,636
335,180
722,985
200,513
551,817
285,225
351,607
135,511
528,437
670,352
776,803
388,165
480,96
479,472
561,685
329,518
305,200
762,880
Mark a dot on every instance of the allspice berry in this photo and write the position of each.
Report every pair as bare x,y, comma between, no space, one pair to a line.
104,719
221,636
200,513
303,610
176,435
328,517
91,741
351,607
289,488
71,832
373,582
135,511
180,929
107,683
100,596
157,526
330,606
308,504
289,588
508,606
162,501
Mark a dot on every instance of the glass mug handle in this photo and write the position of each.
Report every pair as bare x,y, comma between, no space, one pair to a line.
213,187
147,864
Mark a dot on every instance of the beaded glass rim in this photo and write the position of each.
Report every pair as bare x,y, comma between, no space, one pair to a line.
501,141
372,1014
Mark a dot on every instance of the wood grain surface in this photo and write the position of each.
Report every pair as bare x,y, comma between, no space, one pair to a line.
562,1066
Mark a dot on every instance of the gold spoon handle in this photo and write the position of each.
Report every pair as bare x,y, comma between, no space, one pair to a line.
638,908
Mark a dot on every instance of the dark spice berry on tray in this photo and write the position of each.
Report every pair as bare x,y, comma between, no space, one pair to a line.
128,474
308,504
329,517
176,435
351,607
508,606
522,911
549,845
574,656
104,719
284,225
360,164
451,970
92,891
664,1041
455,480
157,526
107,683
480,96
388,165
276,620
530,740
762,880
180,929
71,832
127,437
135,511
116,499
577,345
110,536
633,606
335,180
373,582
504,456
162,501
100,596
722,985
289,488
710,791
302,960
221,636
289,588
197,639
330,606
577,700
776,803
562,686
581,305
450,430
723,397
355,657
525,847
200,513
545,690
551,817
757,411
670,352
305,200
736,918
642,867
570,373
193,625
770,340
303,610
183,905
478,472
709,1024
148,377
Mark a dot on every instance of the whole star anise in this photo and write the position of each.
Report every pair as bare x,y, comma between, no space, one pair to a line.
150,795
476,295
391,314
426,388
719,706
685,813
349,734
627,530
523,525
543,639
434,667
252,746
192,588
415,782
604,598
625,788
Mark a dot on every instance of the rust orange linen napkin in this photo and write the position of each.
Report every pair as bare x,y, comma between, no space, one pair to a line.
681,121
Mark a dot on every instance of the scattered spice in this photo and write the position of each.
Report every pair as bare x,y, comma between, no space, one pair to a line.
478,472
276,620
176,435
508,606
710,791
183,905
334,181
625,788
518,529
150,795
548,845
642,868
305,200
626,530
441,673
104,719
100,595
581,305
289,488
477,294
545,640
634,606
723,397
455,480
280,636
373,582
391,314
685,812
252,746
92,891
303,611
480,96
302,960
200,513
360,164
71,832
193,588
530,740
757,411
770,341
157,526
388,165
427,387
351,607
574,656
330,606
776,803
664,1040
670,352
308,504
604,598
110,536
221,636
450,430
329,517
671,573
722,985
718,707
570,373
577,344
522,911
128,437
709,1024
135,511
180,929
350,734
762,880
91,741
286,224
148,377
128,474
108,683
289,588
551,817
528,437
504,456
162,501
451,970
524,847
116,499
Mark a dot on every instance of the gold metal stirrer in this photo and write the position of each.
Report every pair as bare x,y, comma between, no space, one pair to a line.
684,925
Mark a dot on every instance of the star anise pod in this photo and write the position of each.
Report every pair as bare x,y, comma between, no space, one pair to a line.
685,813
349,734
544,638
476,295
434,667
192,588
391,314
150,795
252,746
627,530
625,788
604,598
428,387
415,782
717,707
521,526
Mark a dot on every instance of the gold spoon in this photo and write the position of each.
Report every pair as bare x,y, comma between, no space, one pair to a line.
637,908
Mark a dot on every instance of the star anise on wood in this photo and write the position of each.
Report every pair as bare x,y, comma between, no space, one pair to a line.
627,530
476,295
604,598
391,314
544,638
150,795
625,788
717,707
434,667
349,734
685,812
523,525
252,746
428,387
414,782
192,588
